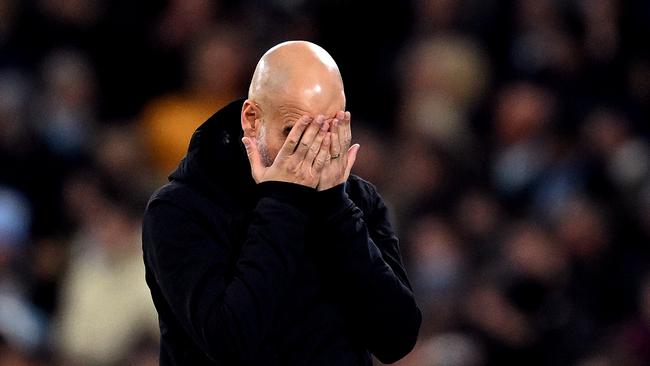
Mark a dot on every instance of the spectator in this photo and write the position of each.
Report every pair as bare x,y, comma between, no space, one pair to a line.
215,75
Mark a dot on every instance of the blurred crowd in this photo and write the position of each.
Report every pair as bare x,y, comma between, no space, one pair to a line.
511,140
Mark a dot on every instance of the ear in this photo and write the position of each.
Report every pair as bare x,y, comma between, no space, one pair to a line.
251,117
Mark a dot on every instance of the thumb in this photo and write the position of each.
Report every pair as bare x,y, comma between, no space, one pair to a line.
254,158
352,157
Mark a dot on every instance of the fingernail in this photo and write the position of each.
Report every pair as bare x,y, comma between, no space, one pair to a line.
245,141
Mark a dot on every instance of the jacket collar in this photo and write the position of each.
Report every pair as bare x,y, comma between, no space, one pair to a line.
216,163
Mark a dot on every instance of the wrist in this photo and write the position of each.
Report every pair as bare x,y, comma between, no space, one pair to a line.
327,186
332,200
297,195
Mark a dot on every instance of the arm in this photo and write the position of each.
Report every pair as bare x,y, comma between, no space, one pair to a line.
365,252
227,313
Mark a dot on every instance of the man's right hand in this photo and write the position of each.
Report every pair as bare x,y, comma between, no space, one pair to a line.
301,158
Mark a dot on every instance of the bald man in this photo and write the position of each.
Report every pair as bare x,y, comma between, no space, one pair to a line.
263,249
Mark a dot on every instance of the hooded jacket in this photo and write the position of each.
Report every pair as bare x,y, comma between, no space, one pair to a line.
272,273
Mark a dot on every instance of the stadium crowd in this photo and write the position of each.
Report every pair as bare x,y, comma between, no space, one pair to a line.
510,138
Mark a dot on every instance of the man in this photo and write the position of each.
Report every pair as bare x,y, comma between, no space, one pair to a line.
263,249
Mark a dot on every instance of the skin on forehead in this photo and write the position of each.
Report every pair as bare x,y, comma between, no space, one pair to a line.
291,108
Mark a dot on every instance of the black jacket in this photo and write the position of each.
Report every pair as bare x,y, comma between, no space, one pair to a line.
275,273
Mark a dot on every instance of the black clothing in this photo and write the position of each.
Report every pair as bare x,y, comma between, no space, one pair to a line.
275,273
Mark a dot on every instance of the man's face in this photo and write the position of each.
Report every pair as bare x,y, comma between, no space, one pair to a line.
277,124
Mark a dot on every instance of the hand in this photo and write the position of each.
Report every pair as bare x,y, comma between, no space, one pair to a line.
300,160
338,166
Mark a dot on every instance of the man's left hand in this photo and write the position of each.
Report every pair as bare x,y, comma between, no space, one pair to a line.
342,155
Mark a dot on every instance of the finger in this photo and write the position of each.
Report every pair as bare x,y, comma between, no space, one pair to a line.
323,154
335,145
352,157
316,145
346,138
293,138
308,137
254,157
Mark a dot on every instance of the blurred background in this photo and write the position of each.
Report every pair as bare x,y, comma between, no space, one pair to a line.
511,140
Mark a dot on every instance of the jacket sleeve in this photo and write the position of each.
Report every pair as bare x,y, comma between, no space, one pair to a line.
227,313
365,253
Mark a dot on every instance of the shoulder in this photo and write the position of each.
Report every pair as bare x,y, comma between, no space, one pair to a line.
173,193
176,198
178,217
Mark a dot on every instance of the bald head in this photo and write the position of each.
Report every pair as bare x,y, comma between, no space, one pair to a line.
296,71
291,80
